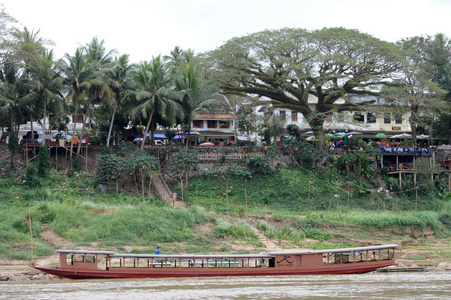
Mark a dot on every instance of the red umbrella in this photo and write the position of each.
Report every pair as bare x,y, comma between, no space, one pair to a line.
206,144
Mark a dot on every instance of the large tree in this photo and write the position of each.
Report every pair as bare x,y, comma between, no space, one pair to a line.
152,92
196,94
96,86
120,83
288,66
439,57
417,94
77,74
45,86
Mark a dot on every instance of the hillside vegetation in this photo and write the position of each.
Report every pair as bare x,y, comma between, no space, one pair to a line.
229,214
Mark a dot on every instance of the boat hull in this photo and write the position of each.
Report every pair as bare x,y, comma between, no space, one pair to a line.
206,272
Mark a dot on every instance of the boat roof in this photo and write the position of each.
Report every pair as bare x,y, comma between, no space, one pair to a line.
225,256
88,252
354,249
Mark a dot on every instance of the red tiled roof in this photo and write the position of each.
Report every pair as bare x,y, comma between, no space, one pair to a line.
214,116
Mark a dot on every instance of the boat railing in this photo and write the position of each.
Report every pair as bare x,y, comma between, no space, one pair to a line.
184,263
357,256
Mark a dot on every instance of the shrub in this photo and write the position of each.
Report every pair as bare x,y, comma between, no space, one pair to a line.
43,161
238,229
258,165
445,219
32,178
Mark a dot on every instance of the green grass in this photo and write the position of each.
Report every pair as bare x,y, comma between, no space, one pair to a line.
383,220
237,229
77,211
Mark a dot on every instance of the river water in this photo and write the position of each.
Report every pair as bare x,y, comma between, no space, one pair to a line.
418,285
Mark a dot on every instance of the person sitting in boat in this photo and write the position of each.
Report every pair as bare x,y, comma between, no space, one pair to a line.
157,252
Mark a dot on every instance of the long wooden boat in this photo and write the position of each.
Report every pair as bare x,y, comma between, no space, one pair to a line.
85,264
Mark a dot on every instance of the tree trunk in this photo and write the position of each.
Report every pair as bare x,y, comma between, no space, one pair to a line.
111,126
83,127
75,100
43,124
189,134
431,127
143,190
316,124
9,139
147,129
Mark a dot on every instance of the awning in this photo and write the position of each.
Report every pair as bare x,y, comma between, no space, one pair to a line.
242,138
158,135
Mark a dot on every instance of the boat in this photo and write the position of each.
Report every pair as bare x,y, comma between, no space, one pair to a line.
87,264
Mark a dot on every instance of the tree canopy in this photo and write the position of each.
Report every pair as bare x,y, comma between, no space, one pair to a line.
289,66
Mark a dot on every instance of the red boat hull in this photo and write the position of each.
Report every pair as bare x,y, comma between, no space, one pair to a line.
199,272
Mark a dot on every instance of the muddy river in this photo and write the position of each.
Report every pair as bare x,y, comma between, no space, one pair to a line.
414,285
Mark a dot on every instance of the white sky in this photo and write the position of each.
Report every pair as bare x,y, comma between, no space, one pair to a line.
146,28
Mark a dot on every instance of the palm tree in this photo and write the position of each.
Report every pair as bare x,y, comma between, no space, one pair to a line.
120,84
153,92
77,73
196,94
26,53
96,85
11,112
178,58
46,84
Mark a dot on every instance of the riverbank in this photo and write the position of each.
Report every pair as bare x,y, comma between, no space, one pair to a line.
428,256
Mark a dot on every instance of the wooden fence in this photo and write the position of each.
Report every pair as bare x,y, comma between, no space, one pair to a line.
227,156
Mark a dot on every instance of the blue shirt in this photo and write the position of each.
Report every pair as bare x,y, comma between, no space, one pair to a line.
157,251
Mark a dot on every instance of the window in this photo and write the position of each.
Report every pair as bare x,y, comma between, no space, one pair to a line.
79,258
398,120
79,119
69,259
298,260
359,117
198,124
212,124
282,115
329,118
224,124
341,117
387,119
370,118
294,116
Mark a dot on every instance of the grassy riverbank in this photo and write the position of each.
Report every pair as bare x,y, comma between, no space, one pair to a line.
227,215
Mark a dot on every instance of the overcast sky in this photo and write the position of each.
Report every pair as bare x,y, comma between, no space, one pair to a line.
146,28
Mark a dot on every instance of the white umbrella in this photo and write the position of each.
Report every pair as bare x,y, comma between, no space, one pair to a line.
422,137
401,136
310,138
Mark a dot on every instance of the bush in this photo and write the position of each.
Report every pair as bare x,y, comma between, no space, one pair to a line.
258,165
43,161
32,178
445,219
238,229
286,233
